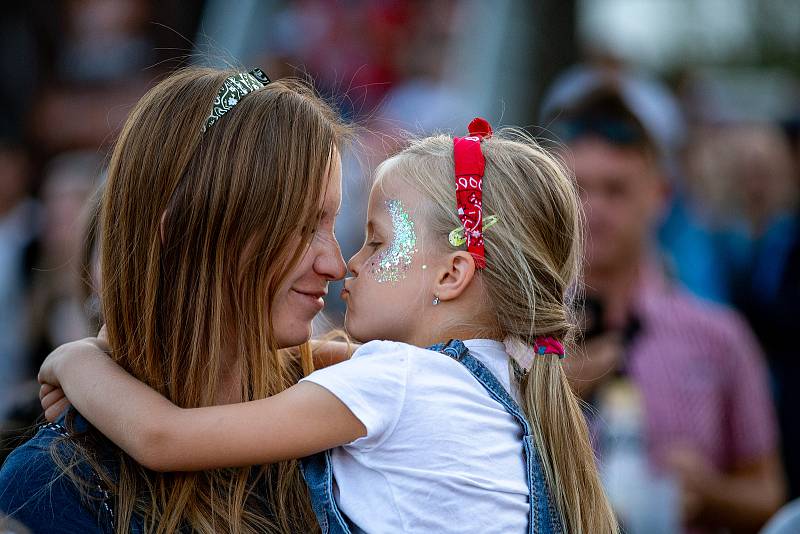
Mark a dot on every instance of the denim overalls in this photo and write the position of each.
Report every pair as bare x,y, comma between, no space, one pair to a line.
543,516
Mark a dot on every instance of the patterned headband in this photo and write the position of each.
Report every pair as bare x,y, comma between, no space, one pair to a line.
232,90
470,164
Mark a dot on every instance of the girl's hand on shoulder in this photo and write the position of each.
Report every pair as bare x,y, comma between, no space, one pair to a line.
50,394
50,370
54,402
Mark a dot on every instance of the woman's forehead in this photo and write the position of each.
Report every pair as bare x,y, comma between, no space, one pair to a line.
333,191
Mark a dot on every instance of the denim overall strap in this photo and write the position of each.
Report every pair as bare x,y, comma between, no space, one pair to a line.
318,472
543,517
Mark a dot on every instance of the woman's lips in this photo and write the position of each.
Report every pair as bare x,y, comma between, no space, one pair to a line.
314,299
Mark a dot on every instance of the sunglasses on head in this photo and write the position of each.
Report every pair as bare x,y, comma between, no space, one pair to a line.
614,130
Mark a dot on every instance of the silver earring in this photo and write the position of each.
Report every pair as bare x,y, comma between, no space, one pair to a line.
436,300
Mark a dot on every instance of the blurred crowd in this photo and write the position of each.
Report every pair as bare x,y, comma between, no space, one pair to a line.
692,214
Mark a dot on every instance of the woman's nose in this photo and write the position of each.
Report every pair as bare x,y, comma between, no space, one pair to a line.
330,262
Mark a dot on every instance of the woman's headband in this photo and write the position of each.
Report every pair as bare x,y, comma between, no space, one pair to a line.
232,90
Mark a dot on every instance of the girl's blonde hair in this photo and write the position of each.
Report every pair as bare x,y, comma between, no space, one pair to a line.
533,260
197,232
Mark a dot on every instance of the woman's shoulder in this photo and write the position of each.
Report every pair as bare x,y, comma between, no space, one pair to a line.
35,491
28,462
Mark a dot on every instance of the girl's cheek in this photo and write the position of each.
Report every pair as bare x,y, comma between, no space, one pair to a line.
371,267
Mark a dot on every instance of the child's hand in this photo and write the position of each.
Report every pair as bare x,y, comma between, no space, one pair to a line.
53,401
49,371
51,396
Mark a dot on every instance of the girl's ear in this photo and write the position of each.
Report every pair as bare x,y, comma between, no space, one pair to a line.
455,276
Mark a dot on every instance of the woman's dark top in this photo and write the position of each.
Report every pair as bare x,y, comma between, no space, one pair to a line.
36,492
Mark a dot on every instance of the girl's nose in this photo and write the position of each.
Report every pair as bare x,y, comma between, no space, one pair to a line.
354,264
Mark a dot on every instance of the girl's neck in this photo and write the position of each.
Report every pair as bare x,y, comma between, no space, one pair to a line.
426,339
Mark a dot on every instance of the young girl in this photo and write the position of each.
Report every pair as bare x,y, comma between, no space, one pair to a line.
451,438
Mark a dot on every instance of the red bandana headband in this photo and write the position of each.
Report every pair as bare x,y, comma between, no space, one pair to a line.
470,164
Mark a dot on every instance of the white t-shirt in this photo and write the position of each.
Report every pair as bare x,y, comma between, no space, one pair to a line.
440,455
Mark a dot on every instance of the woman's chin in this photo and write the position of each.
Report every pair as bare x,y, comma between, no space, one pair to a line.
293,337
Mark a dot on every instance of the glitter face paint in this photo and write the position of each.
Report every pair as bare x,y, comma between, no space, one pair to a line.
392,264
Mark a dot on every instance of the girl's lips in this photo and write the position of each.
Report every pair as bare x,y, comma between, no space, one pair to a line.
344,294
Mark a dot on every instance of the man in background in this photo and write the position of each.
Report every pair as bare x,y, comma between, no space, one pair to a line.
707,418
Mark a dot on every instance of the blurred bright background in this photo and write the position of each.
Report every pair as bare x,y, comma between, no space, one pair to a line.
726,97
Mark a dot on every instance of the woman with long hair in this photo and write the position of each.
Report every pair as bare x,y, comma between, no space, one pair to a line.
216,246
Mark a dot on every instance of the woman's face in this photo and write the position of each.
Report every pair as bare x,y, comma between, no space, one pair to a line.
299,298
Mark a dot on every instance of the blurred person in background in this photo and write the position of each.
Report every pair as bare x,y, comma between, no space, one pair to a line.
769,291
79,301
103,55
19,223
687,244
51,311
742,180
57,301
681,381
69,72
746,178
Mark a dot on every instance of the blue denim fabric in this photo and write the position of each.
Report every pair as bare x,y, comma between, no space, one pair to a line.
543,515
35,492
318,473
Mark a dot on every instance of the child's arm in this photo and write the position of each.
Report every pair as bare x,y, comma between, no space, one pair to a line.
324,353
302,420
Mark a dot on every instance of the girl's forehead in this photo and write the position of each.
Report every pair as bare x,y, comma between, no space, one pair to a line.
390,188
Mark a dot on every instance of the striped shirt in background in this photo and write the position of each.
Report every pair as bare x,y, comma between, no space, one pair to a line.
702,377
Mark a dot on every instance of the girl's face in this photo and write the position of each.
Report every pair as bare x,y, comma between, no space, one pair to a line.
387,290
299,298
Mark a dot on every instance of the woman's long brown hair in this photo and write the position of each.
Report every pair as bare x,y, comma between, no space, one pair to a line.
198,230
